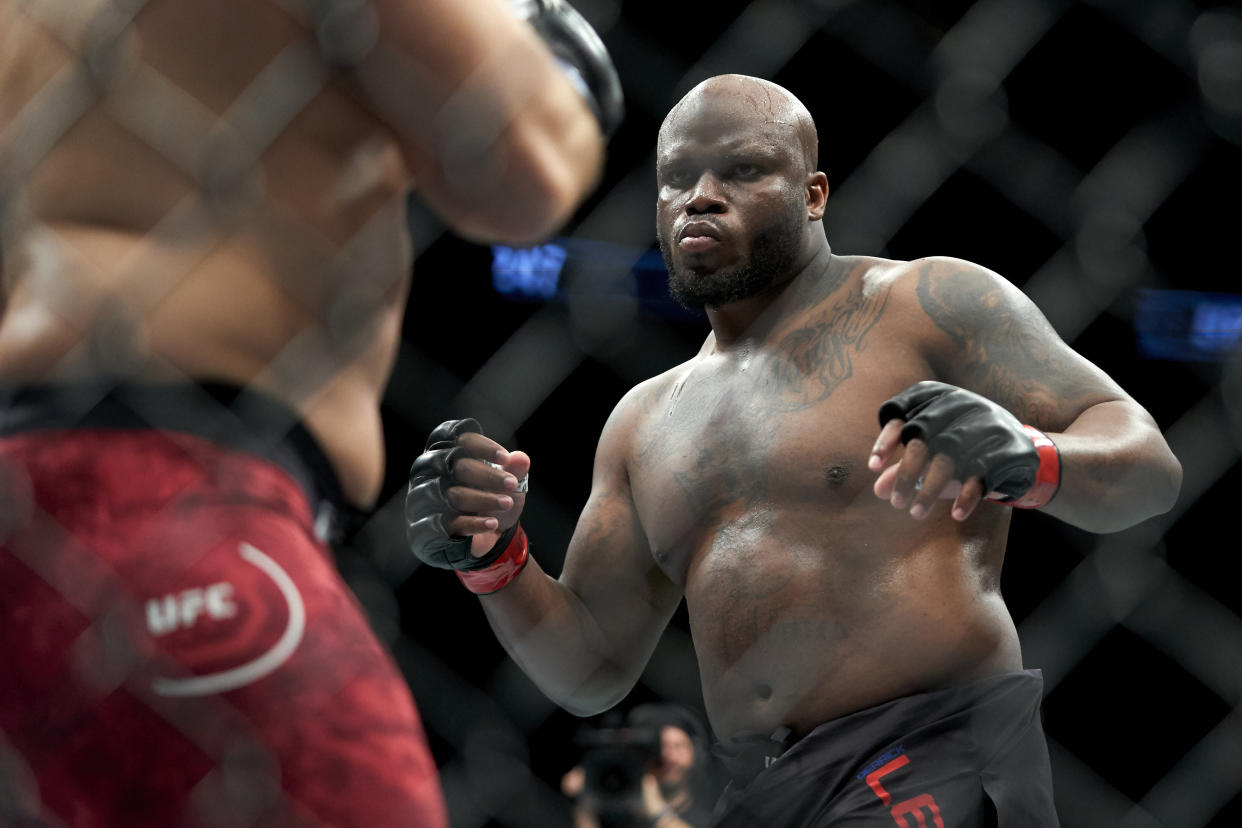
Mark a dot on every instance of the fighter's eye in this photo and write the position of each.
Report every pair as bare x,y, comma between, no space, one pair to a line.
675,178
745,170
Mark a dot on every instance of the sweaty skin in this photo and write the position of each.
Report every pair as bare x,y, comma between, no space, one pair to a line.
163,219
741,481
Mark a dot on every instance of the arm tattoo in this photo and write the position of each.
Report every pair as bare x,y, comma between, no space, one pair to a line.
1007,352
593,530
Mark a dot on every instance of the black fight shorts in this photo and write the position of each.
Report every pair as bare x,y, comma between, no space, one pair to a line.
972,756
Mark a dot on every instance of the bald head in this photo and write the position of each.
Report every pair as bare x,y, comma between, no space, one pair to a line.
748,100
740,200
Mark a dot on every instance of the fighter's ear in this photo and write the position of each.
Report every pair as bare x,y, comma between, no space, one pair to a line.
816,189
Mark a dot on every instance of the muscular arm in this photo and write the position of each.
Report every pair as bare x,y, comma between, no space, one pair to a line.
585,638
500,144
1117,468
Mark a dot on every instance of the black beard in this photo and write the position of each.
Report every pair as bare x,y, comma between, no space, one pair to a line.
773,252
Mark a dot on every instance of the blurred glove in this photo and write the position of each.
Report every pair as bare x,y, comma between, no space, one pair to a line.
580,53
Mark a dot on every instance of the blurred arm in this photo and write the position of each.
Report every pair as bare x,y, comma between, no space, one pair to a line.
499,143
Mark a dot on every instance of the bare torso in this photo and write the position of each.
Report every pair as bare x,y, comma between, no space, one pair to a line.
808,596
180,226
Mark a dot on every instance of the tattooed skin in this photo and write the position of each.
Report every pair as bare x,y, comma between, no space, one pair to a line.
1007,350
714,482
817,358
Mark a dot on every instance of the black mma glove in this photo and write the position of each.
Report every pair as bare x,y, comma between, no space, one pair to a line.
983,440
580,53
428,511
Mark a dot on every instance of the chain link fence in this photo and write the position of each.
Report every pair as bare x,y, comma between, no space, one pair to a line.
1089,151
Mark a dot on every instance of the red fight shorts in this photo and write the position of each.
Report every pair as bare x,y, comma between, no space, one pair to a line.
177,648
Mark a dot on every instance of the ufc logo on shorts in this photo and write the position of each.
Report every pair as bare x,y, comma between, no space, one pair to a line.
182,609
916,812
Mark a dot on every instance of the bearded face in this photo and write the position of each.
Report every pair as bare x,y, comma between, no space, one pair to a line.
765,252
732,212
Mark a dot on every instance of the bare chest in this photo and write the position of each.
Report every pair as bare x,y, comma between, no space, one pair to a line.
749,443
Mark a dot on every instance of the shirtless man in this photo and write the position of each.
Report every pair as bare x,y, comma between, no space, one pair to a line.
859,641
205,267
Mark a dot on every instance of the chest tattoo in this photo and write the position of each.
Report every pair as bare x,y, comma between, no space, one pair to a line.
815,359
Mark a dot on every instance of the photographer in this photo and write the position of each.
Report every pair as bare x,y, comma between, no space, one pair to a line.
655,771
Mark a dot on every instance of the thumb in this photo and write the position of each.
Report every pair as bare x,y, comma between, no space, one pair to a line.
516,463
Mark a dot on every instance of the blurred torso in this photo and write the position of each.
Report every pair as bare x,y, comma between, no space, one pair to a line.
193,195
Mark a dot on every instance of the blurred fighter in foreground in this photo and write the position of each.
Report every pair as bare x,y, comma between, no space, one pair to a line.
858,662
205,266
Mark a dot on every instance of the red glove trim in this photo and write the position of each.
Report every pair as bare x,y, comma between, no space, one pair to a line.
1047,476
505,569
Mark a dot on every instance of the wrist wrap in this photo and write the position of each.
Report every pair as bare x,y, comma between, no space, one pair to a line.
1047,476
502,569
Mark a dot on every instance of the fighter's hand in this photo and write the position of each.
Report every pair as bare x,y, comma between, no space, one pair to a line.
464,493
958,446
580,53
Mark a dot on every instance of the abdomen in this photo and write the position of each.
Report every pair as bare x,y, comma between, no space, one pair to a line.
815,618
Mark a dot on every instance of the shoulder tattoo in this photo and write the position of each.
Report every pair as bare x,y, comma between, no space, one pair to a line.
1006,350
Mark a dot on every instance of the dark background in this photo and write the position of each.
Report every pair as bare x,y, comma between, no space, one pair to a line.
1087,151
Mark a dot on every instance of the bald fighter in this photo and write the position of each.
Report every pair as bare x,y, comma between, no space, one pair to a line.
205,267
828,483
